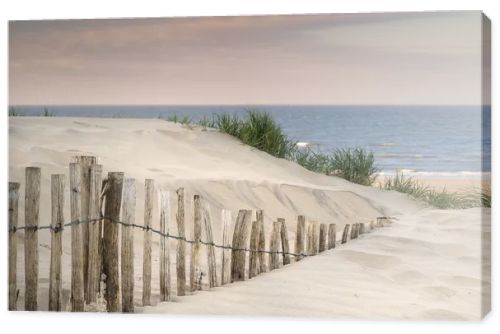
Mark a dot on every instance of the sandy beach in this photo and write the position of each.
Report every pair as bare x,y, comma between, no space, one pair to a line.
427,264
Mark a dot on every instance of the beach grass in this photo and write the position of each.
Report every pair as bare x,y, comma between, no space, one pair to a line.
13,112
258,129
353,164
441,199
261,131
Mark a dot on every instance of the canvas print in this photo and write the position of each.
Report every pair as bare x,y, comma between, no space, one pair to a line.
333,165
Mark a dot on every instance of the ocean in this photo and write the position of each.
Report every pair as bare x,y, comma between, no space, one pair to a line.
429,141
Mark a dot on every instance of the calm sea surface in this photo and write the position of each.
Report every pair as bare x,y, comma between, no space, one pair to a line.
432,141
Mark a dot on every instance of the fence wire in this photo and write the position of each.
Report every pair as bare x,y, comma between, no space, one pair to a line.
60,228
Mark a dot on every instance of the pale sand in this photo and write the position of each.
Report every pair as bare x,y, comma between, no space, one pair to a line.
426,265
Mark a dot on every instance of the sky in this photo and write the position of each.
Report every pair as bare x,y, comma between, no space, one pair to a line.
431,58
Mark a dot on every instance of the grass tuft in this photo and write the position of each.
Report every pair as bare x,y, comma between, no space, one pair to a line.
356,165
261,131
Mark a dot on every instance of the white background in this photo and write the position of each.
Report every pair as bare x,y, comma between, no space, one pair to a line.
38,322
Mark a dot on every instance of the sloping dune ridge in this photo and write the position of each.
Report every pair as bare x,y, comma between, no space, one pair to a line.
427,264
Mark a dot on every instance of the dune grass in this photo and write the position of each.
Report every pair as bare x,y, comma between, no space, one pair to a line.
261,131
356,165
258,129
353,164
441,199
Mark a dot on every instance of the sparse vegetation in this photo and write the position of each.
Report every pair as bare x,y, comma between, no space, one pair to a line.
258,129
354,164
47,113
185,121
441,199
13,112
261,131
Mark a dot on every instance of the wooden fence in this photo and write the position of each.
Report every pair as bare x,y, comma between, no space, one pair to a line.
97,252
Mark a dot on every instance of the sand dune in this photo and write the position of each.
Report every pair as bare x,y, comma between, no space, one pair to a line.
426,265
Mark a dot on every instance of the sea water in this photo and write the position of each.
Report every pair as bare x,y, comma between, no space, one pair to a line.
432,141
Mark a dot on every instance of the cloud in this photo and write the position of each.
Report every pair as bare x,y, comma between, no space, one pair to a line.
242,59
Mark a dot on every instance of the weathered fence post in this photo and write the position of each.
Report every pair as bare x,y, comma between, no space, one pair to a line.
165,289
254,255
226,242
356,231
285,247
274,246
85,164
315,238
31,216
240,239
13,216
57,222
195,269
212,267
332,236
94,260
310,238
77,287
345,233
300,237
181,247
149,193
127,245
353,231
262,241
322,238
110,239
361,228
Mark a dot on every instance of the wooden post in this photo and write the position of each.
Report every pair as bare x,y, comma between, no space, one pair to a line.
310,238
209,239
285,247
13,216
181,246
31,216
345,233
254,244
361,228
85,163
195,271
110,239
262,242
332,236
77,287
127,246
322,238
240,240
165,289
274,246
57,222
226,242
149,193
315,238
353,231
94,259
356,231
300,237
